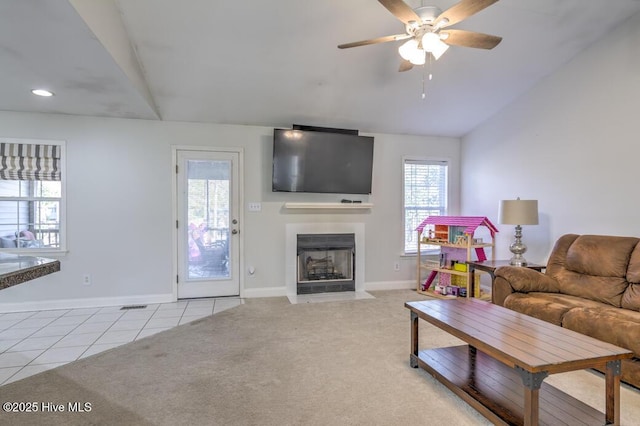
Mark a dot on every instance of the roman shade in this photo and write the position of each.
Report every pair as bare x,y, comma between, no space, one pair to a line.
29,161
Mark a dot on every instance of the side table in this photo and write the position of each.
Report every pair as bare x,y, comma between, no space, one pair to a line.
490,266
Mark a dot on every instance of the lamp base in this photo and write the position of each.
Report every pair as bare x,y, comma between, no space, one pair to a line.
518,260
518,248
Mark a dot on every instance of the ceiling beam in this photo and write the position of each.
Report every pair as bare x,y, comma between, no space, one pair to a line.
104,19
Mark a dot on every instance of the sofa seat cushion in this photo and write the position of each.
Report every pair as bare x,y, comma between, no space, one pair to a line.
550,307
620,327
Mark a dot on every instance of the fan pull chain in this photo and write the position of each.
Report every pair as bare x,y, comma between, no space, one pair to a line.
424,72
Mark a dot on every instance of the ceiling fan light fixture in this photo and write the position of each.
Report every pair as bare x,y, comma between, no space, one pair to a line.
419,57
439,50
425,30
409,49
431,43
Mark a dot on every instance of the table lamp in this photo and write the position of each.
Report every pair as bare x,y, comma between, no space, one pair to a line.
518,212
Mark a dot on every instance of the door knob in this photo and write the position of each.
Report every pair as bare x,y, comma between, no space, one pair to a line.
234,231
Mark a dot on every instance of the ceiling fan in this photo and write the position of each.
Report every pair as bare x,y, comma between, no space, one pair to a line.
427,30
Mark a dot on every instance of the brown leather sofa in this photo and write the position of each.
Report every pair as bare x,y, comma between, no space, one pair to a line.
591,285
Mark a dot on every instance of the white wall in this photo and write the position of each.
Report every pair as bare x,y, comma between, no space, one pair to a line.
120,208
571,142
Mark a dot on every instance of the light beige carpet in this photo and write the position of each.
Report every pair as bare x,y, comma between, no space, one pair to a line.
272,363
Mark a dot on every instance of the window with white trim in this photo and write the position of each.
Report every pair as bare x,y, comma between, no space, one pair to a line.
31,195
424,194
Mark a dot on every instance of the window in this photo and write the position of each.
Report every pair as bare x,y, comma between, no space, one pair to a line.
31,195
425,194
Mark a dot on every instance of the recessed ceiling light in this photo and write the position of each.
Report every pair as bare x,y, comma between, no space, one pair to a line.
42,92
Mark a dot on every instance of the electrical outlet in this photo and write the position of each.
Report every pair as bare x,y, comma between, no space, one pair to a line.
396,266
86,279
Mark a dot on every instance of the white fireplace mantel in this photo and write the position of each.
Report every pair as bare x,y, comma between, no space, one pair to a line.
292,231
328,206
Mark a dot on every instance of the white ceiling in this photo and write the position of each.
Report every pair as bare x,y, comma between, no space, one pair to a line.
275,62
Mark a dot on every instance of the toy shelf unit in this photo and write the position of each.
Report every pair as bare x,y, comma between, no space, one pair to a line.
448,276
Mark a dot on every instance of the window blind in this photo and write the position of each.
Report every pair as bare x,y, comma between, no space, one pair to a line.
425,194
29,161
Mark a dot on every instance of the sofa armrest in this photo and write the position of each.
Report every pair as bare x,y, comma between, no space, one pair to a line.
517,279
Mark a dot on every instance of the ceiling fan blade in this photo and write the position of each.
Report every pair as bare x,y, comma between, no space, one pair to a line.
401,10
374,41
405,66
470,39
461,11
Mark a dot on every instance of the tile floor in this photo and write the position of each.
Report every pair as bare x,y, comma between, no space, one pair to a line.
32,342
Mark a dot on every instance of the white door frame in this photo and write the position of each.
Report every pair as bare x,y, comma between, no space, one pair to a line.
174,209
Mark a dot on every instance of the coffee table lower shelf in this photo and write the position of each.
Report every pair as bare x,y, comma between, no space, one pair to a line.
496,390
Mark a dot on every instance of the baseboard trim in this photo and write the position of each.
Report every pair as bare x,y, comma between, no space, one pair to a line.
390,285
49,305
251,293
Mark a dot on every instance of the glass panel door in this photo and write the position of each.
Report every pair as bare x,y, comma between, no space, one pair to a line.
207,198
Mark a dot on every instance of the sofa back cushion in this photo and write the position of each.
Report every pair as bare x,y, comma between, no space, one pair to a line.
8,242
593,266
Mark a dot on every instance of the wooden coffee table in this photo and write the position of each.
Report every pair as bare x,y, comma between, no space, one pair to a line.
500,371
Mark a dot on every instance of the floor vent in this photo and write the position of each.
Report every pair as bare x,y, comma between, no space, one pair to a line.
126,308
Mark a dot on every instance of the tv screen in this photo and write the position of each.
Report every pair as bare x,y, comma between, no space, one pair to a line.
322,162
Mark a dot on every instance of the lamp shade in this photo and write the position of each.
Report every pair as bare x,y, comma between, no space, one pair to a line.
518,212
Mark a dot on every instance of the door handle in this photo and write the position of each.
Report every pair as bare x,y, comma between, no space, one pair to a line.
234,231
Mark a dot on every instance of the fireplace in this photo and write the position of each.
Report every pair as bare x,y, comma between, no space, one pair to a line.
292,230
325,263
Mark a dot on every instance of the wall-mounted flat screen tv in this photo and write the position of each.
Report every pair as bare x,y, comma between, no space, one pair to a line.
322,162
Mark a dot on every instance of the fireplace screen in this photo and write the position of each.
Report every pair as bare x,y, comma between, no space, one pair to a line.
325,263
